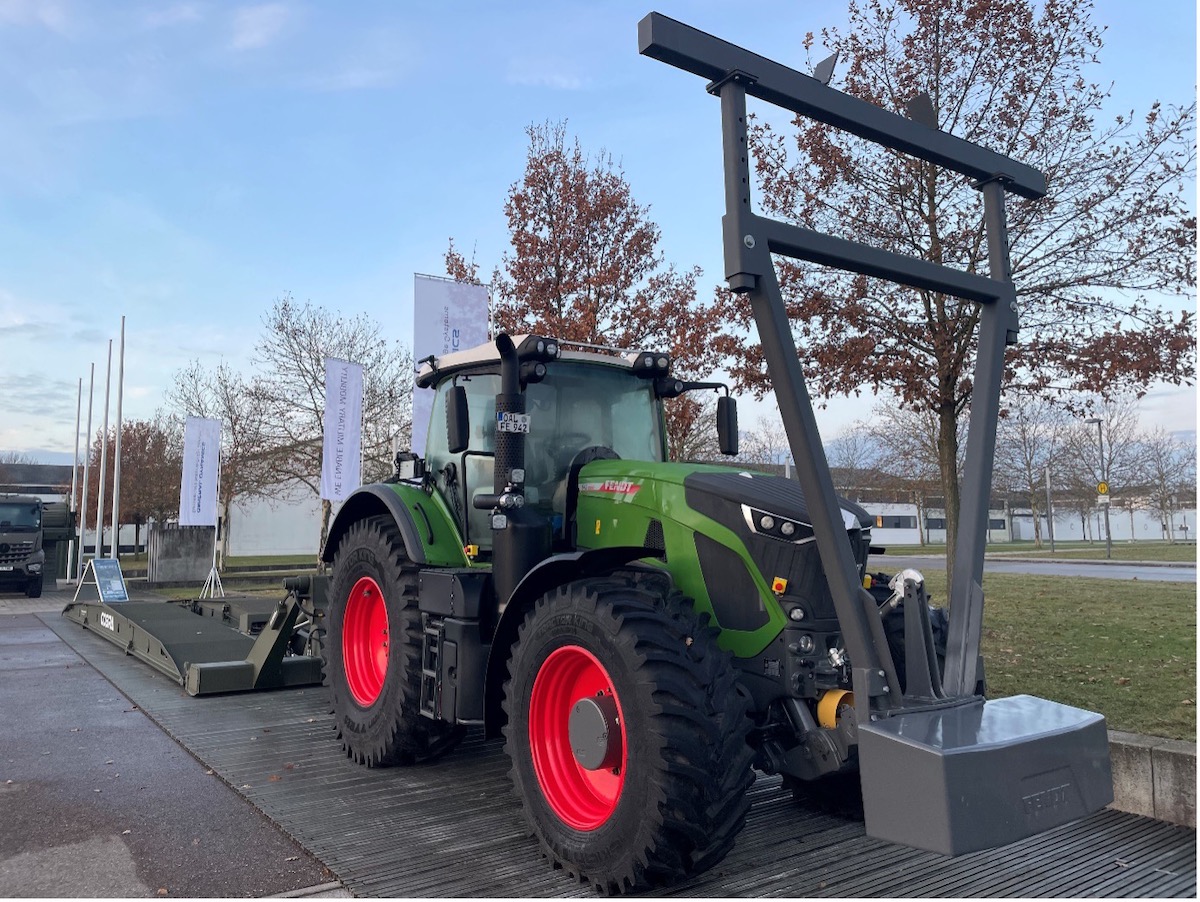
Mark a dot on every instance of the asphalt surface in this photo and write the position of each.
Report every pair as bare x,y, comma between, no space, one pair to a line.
96,801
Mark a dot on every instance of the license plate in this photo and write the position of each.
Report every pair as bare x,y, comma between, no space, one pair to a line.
6,566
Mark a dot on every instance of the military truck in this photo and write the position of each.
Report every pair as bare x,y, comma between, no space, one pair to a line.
32,535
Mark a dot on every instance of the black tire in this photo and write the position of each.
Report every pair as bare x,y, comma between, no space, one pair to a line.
34,588
389,728
686,763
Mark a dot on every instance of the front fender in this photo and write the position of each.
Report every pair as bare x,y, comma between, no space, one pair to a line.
425,523
549,574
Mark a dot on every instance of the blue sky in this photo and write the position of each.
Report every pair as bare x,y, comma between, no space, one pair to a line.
184,164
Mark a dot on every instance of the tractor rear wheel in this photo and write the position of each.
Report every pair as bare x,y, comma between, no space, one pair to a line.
627,734
373,651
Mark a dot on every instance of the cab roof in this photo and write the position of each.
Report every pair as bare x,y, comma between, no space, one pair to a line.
485,356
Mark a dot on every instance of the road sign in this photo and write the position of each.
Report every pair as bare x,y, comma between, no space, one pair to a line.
1102,488
1103,500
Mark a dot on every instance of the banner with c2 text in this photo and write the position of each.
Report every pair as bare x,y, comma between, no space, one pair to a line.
201,461
448,316
341,459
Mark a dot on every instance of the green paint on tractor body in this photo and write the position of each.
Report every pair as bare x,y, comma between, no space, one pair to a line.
695,512
434,523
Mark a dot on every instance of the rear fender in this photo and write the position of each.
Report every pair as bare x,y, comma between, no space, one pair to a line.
425,523
546,576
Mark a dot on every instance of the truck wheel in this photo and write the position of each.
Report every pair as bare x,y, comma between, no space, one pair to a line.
373,651
627,734
34,589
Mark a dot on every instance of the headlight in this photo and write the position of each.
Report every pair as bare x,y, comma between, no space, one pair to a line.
34,568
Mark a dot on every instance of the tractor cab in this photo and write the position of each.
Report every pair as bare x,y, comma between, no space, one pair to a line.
586,403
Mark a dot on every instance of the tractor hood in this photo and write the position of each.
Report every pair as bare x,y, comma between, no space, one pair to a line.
775,496
738,542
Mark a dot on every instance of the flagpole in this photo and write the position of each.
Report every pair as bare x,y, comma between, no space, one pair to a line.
116,507
103,462
71,549
87,460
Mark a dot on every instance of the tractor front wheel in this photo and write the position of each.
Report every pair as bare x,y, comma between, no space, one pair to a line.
373,651
627,734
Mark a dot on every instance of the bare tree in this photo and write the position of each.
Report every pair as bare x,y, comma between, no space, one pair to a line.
224,394
1169,467
911,452
292,352
16,457
766,443
1121,465
1030,435
853,456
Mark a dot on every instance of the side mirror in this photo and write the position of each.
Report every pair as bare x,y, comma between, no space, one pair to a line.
458,420
727,426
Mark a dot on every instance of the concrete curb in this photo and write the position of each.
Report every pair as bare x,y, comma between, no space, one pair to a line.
1154,777
321,891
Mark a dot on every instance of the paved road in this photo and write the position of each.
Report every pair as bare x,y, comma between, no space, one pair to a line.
1082,569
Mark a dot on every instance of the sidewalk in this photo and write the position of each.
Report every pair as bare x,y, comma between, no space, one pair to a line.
98,801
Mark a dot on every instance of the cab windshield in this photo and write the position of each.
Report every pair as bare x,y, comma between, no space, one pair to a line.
577,406
20,517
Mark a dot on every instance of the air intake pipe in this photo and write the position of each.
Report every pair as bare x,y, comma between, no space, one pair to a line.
521,538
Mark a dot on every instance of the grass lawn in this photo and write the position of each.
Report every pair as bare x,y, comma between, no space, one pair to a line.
1123,648
1121,551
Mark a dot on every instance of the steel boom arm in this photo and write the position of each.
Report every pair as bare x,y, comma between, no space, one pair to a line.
749,241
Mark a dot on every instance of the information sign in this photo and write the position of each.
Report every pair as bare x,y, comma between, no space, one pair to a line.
107,579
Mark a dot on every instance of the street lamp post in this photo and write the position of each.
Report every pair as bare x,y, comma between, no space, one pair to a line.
1103,479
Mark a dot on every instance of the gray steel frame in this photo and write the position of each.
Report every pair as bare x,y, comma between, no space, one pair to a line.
749,241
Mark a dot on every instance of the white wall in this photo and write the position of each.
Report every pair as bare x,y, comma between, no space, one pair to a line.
288,522
912,536
1144,526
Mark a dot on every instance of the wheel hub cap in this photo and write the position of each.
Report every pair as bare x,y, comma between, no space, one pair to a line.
595,733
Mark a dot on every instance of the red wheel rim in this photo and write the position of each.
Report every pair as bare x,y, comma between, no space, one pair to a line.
584,799
365,641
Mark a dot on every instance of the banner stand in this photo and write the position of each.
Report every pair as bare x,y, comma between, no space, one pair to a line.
212,585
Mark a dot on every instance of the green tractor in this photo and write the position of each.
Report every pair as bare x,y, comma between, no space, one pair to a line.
544,567
646,634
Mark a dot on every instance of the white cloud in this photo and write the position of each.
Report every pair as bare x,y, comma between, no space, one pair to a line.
174,14
532,77
34,12
356,78
257,26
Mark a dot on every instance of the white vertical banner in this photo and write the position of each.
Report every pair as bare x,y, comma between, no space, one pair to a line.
448,316
341,460
201,460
